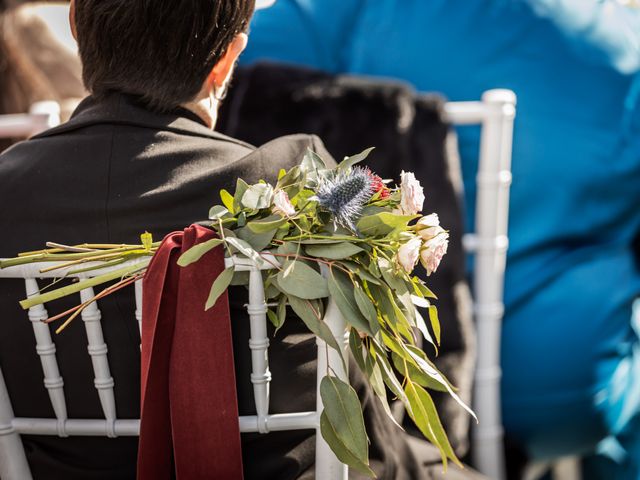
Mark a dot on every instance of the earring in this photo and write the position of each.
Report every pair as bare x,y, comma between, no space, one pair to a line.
219,93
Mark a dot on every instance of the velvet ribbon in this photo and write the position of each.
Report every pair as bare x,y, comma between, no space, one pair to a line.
189,413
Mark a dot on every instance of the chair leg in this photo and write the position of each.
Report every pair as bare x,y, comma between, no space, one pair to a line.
13,461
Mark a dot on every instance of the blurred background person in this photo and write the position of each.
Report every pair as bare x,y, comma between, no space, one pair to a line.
35,63
570,349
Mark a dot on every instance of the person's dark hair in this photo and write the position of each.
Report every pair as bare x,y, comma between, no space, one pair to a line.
159,50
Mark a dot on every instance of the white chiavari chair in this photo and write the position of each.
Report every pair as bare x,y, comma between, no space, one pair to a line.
13,462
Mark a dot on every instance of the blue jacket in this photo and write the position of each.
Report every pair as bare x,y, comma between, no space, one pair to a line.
575,203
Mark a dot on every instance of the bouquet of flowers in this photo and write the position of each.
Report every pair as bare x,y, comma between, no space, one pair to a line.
339,233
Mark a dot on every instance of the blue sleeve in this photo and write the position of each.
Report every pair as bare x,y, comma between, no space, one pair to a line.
606,32
306,32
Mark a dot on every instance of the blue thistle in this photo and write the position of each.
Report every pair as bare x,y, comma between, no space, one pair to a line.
344,193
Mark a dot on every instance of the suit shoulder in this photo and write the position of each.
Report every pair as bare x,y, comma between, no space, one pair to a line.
288,151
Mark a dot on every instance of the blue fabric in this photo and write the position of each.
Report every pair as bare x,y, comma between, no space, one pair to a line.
568,342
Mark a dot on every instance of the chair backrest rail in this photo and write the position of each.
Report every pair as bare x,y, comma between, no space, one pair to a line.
46,350
97,349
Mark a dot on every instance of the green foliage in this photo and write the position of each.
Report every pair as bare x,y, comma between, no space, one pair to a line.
315,265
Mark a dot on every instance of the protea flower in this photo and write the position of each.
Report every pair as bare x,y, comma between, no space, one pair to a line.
344,194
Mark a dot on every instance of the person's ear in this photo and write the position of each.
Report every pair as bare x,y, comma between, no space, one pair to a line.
72,19
223,69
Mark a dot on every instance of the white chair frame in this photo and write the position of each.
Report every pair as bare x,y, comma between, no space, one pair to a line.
495,113
41,117
13,462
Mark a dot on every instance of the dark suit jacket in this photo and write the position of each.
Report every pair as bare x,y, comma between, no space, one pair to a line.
112,172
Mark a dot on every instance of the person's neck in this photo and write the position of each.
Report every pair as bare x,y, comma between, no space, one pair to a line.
205,109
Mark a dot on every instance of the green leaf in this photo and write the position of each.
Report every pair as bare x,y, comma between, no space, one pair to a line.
273,318
339,448
388,375
335,251
241,188
217,212
390,275
302,281
416,375
196,252
309,313
344,413
219,286
349,162
383,223
258,241
147,241
227,200
341,290
366,307
361,272
377,384
245,249
425,415
271,223
312,161
422,326
355,345
428,369
435,322
257,196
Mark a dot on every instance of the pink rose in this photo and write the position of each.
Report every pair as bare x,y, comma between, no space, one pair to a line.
282,205
434,249
430,226
409,254
412,194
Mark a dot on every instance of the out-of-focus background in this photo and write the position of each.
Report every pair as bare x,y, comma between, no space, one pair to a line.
403,75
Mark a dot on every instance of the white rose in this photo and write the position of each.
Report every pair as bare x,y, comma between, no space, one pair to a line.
412,194
282,205
409,254
430,226
433,251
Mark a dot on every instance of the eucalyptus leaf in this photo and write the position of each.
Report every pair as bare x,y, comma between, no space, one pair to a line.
349,162
245,249
388,375
361,272
227,200
356,347
366,307
258,241
335,251
196,252
258,196
427,420
340,449
383,223
271,223
435,322
219,286
309,313
217,212
341,290
302,281
416,375
374,374
343,410
241,188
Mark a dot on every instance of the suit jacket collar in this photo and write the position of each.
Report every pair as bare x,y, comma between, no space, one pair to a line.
122,109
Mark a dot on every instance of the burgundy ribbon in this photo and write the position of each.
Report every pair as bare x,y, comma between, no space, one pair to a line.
189,411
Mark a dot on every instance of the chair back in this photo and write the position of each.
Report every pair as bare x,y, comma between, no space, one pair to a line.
13,462
496,114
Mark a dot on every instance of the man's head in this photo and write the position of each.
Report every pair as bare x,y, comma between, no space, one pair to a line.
165,51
